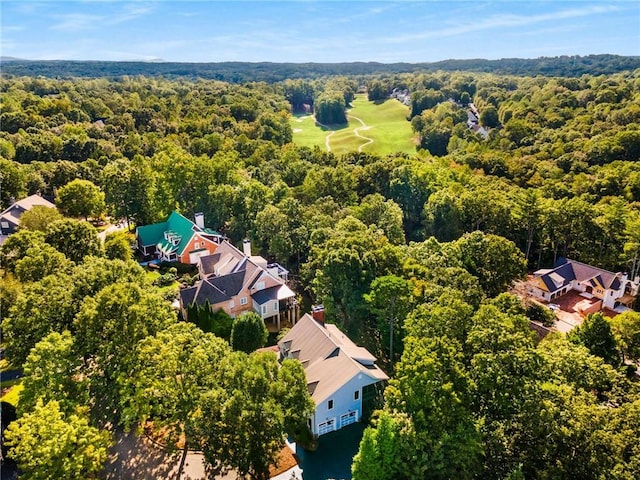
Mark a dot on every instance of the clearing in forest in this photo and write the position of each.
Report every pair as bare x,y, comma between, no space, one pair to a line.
374,127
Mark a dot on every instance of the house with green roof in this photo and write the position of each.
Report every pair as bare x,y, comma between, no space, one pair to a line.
178,239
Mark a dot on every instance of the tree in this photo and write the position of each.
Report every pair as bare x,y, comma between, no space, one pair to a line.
385,449
40,261
489,117
16,247
96,273
495,260
330,107
117,246
171,371
242,421
80,198
390,301
376,90
627,327
248,332
108,328
10,288
219,322
342,264
42,307
39,218
386,215
595,333
75,238
52,372
433,389
48,444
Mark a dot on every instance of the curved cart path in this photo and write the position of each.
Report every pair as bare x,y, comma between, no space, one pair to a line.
357,132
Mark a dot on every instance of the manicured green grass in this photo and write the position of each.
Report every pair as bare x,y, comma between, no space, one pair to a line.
386,124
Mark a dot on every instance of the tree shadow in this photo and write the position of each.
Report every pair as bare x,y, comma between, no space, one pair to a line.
332,127
139,458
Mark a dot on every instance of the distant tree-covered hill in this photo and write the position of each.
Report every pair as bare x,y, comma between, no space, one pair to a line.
238,72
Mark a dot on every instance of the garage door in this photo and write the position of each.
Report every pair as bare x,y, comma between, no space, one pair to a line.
348,418
326,427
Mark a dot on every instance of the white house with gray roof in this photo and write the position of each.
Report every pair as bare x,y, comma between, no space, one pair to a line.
342,378
616,290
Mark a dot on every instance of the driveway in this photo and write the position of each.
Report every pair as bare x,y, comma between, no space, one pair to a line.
138,458
122,225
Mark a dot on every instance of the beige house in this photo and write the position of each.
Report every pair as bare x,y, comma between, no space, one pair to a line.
238,282
10,218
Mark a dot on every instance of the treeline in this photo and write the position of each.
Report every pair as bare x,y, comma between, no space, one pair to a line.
240,72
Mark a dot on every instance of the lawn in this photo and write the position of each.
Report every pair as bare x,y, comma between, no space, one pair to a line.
386,124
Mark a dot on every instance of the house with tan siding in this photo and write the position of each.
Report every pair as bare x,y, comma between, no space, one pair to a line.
236,281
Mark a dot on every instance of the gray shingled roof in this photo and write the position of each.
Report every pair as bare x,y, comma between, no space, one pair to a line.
263,296
330,359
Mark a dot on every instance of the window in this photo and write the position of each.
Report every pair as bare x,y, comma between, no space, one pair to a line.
5,224
264,309
259,285
196,245
243,301
275,305
232,304
356,395
330,405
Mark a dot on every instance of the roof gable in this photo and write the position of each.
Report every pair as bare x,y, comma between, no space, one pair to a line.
173,235
329,357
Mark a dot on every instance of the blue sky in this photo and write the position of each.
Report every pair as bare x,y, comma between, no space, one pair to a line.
315,31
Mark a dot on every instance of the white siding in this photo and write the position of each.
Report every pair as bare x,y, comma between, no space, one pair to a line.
343,402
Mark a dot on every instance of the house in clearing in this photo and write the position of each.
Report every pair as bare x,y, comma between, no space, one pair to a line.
342,378
614,291
178,239
238,282
10,218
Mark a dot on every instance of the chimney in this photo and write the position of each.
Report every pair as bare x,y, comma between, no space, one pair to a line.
317,312
246,247
199,218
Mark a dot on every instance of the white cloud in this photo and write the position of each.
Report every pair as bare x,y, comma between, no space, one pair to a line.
501,21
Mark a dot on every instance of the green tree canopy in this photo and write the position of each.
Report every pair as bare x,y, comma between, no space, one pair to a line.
39,218
46,444
40,261
248,332
75,238
242,422
52,372
16,247
117,246
80,198
595,333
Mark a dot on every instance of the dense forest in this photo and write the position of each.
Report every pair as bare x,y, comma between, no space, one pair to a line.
428,243
238,72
